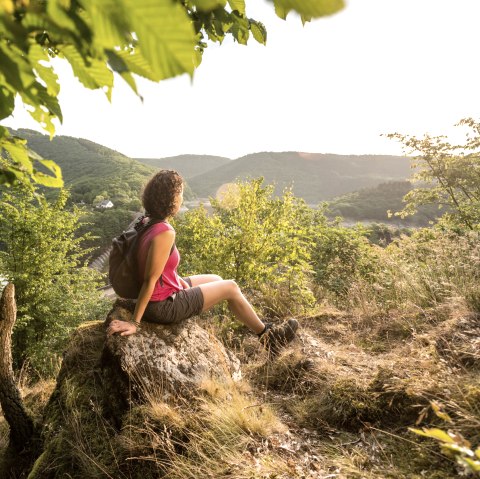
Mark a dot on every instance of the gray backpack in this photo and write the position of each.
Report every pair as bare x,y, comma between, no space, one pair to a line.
123,269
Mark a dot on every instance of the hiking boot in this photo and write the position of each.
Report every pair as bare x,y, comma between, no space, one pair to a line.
275,337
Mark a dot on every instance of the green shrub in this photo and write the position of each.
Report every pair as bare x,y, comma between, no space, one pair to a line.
54,291
340,255
263,243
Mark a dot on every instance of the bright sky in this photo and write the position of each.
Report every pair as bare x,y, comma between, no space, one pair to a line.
333,86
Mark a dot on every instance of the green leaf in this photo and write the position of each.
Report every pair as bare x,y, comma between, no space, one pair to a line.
238,5
18,152
45,108
240,29
10,70
456,448
18,166
281,11
91,72
109,22
433,433
437,409
135,62
119,65
34,22
128,77
308,9
53,181
259,31
472,464
37,54
208,5
166,34
7,102
57,12
306,18
52,166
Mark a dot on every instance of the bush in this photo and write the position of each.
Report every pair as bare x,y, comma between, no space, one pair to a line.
261,242
340,256
54,291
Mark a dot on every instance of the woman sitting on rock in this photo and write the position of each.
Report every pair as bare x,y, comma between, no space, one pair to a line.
165,297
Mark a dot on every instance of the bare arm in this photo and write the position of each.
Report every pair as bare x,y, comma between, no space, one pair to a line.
157,257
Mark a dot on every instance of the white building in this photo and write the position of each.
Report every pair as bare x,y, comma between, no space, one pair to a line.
105,204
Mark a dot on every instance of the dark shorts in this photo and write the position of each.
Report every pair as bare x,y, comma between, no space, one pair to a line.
181,305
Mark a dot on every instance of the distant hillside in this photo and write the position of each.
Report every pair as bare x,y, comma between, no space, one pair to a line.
90,169
314,176
187,165
372,204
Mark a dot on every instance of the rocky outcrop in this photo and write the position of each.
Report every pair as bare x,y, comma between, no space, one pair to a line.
103,379
166,362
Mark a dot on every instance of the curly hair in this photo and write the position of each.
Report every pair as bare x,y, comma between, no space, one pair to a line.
159,194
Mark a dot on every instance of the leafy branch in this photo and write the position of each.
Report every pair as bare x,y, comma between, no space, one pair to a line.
153,39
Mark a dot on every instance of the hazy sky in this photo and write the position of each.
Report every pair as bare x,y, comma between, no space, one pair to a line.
333,86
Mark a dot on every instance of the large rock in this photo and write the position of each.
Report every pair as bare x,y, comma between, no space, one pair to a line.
103,379
165,361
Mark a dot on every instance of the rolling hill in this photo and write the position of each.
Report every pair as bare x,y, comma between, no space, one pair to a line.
315,177
187,165
90,169
372,204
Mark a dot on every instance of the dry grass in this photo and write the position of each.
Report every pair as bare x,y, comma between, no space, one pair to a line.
345,374
417,273
215,436
338,404
226,431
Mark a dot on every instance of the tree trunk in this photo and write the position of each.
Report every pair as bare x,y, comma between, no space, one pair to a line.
21,425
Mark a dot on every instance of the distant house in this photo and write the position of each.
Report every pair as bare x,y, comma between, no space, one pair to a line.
105,204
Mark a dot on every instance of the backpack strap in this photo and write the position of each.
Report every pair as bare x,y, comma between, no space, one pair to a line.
141,227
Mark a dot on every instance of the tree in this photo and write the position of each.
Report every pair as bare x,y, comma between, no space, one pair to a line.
21,425
40,254
260,241
155,39
447,175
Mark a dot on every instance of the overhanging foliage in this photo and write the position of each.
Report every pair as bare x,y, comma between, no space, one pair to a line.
154,39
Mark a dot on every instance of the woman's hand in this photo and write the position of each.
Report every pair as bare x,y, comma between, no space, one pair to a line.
125,328
184,284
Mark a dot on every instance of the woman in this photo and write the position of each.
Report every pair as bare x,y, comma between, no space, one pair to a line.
167,298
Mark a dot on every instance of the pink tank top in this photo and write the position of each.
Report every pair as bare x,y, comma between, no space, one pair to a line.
169,282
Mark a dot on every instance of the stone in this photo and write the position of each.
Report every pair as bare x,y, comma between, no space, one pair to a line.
168,361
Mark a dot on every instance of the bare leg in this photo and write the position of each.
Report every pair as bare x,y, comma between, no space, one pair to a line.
219,290
198,279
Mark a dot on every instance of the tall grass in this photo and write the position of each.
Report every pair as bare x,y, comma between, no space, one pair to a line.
426,270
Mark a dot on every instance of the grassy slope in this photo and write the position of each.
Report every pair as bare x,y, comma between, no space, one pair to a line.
90,169
315,177
342,396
